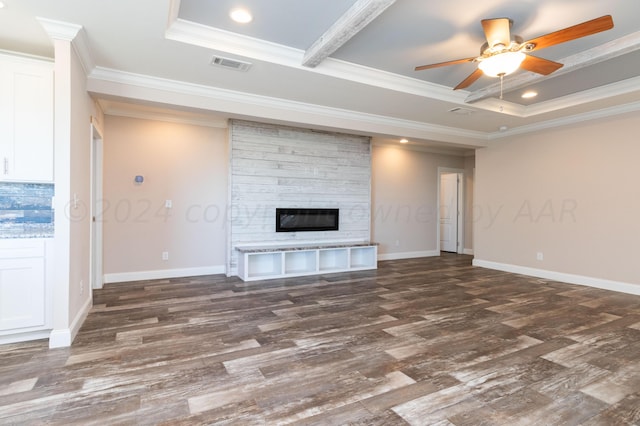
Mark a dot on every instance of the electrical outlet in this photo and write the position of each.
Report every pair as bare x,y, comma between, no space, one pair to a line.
539,256
397,243
168,204
165,255
81,287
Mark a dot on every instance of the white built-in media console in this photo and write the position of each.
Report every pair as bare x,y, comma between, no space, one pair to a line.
257,262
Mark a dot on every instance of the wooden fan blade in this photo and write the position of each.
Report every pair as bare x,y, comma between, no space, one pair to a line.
469,80
594,26
444,64
497,31
540,65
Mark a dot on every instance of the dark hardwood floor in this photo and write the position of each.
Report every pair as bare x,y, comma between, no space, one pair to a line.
431,341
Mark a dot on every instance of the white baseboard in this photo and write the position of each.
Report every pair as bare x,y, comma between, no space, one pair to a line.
62,338
408,255
24,337
468,251
562,277
163,274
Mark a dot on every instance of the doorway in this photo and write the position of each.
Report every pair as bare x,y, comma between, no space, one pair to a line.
450,210
96,208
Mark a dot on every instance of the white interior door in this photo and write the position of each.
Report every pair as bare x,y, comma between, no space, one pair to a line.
449,212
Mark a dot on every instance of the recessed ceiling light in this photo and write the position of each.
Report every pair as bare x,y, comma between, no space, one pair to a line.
241,16
529,94
404,140
1,5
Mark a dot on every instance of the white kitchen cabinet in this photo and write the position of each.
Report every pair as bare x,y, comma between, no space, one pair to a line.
26,119
25,289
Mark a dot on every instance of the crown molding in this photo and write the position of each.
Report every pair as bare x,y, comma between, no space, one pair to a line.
226,41
156,114
623,87
565,121
74,34
237,44
264,107
58,30
26,56
174,11
417,146
501,106
619,88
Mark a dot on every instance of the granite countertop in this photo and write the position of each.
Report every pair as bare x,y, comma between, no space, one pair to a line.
16,232
292,246
24,236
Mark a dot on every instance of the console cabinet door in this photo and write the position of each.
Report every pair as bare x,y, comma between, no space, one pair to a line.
22,293
26,120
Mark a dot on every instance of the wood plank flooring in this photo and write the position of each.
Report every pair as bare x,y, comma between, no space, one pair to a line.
431,341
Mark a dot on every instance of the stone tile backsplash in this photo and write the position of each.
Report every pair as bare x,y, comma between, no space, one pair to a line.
25,210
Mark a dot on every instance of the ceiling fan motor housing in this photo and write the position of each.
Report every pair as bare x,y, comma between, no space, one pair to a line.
515,45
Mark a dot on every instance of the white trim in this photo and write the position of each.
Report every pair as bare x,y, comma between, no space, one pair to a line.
154,89
58,30
73,33
96,188
248,47
561,276
147,112
60,338
163,274
63,338
408,255
172,92
468,251
619,88
238,44
461,207
564,121
24,337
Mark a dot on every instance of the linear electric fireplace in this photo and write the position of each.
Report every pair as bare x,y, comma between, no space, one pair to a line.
293,220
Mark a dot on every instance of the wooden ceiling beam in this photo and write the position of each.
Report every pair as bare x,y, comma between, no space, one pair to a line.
348,25
604,52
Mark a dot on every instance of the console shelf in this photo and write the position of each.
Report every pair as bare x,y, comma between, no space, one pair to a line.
269,261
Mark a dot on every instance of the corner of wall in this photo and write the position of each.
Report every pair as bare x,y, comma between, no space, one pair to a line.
62,338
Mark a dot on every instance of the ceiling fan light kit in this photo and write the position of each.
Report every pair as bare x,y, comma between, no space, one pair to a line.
503,53
501,64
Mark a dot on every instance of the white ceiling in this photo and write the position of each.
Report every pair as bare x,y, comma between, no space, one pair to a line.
368,85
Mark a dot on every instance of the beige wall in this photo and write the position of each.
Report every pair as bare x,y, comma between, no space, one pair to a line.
72,153
404,200
82,108
571,194
183,163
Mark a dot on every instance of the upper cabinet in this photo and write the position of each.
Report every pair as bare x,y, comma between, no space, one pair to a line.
26,119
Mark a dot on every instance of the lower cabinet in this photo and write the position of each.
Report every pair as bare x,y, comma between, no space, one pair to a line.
25,293
258,263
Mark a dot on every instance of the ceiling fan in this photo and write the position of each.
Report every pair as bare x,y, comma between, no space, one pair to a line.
504,53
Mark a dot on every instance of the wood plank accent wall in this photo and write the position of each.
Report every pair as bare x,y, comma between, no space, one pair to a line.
276,166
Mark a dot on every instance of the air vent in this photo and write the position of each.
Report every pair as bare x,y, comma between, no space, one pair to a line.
461,111
233,64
